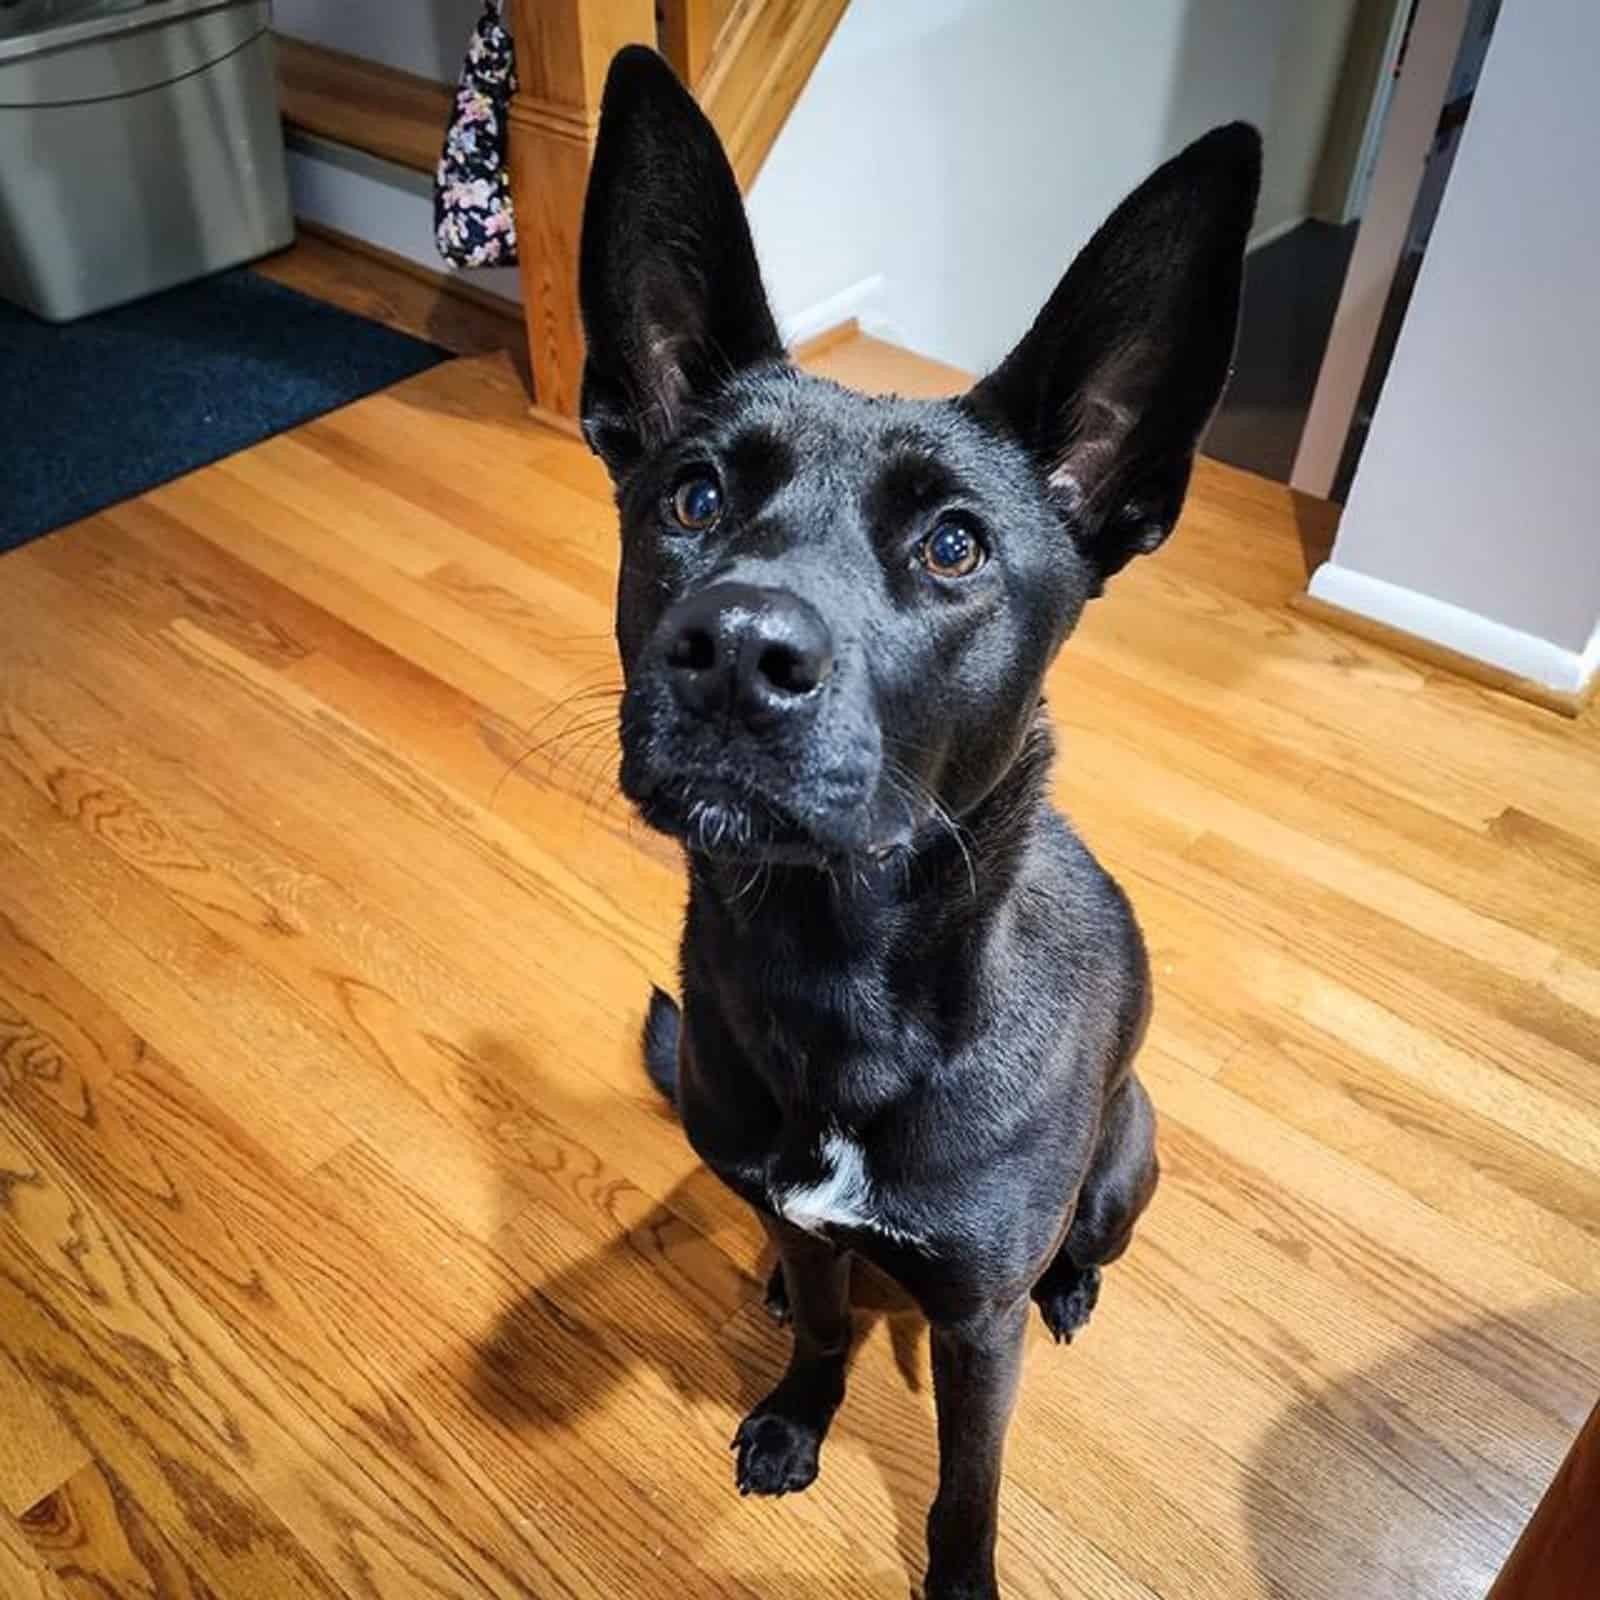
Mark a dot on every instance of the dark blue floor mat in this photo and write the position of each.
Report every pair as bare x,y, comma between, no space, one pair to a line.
94,411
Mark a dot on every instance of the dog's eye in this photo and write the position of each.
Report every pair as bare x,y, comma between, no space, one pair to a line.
952,550
697,502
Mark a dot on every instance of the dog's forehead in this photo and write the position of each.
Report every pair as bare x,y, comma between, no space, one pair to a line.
795,427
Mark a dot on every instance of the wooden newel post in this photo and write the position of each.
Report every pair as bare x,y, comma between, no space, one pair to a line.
563,48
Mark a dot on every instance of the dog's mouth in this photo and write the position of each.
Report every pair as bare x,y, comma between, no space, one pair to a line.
795,795
720,818
736,824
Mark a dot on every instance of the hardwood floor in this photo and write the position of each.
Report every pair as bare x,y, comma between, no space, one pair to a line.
373,283
344,1250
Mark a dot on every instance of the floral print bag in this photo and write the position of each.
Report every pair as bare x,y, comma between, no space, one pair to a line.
472,219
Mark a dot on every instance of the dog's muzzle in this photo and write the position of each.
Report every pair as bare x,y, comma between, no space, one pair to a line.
738,736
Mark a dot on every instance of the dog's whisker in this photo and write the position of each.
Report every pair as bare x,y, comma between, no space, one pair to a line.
581,725
937,813
610,686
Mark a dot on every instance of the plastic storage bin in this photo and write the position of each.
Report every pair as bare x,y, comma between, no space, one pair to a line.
140,147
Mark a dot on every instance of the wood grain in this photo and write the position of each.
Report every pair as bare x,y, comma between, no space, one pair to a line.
765,53
689,30
396,116
344,1249
373,282
1559,1552
1568,702
564,49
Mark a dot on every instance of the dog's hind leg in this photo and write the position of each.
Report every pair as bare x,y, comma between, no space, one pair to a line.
1121,1178
779,1443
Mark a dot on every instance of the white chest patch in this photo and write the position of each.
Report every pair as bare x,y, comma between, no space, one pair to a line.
842,1198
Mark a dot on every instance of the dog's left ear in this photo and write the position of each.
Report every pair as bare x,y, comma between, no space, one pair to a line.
671,292
1115,382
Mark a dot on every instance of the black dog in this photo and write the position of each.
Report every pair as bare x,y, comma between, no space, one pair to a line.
911,997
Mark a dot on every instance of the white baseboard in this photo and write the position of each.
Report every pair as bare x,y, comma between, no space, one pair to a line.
381,203
865,302
1270,235
1524,655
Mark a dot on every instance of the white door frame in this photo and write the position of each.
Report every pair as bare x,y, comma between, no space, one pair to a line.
1419,96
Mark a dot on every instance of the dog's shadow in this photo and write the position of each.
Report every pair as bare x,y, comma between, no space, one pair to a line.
1413,1476
676,1291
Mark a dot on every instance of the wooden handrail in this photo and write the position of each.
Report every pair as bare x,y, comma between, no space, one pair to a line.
690,31
763,58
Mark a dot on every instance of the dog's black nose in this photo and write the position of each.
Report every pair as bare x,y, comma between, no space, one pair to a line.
755,652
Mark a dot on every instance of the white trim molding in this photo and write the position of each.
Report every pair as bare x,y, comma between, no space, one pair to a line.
1524,655
863,302
1278,230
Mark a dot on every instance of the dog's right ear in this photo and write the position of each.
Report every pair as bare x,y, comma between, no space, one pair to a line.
1112,387
671,292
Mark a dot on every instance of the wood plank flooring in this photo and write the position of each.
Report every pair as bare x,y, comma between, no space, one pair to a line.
344,1250
374,283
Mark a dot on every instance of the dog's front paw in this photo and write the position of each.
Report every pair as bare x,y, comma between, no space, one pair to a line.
1067,1299
777,1455
967,1587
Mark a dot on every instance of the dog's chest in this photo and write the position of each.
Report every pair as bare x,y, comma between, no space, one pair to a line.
838,1189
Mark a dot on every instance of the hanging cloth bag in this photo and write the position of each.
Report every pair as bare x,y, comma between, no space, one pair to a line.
473,223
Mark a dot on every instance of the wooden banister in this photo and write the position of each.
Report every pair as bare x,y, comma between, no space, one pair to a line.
563,49
747,60
690,30
762,59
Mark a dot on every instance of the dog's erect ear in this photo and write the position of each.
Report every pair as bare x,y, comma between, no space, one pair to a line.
1115,382
672,296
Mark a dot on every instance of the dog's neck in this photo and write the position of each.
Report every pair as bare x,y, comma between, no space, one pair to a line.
845,984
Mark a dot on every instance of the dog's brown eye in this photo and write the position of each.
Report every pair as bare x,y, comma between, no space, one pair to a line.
952,550
697,502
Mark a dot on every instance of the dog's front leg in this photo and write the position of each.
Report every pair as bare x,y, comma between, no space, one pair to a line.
976,1364
779,1442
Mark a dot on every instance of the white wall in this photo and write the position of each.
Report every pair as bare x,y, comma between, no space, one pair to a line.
954,154
1475,497
949,156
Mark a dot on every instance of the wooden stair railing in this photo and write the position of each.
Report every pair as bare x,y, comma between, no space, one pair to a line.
759,64
563,50
689,31
747,60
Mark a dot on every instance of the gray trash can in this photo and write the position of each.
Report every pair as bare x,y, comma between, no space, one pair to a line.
140,147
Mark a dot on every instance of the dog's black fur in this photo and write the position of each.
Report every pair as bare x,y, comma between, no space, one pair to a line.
911,997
